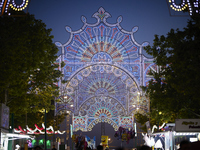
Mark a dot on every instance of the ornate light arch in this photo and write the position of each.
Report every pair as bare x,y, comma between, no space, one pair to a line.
102,109
101,81
95,79
102,60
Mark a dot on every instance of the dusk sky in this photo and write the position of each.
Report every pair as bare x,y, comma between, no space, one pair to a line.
152,17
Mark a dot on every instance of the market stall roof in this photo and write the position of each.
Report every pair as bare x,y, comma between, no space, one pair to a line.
177,133
13,136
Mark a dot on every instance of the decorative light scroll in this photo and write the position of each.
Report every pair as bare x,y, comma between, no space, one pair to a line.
5,4
37,130
20,7
192,6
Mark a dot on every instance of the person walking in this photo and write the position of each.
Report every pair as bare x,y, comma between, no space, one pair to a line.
185,145
145,147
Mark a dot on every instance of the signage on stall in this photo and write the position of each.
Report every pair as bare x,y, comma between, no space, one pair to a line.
187,125
148,127
4,116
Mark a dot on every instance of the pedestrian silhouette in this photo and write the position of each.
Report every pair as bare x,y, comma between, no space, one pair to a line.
37,148
54,148
185,145
145,147
99,147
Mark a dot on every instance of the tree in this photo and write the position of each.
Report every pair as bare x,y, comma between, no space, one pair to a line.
28,73
174,91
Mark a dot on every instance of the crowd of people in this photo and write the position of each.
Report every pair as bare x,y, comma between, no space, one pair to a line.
184,145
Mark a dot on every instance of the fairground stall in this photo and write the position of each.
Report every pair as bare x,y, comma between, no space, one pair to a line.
170,135
6,137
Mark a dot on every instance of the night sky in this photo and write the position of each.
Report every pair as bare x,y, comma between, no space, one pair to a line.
151,16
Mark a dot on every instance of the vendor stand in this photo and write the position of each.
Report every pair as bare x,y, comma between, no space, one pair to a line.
174,133
6,137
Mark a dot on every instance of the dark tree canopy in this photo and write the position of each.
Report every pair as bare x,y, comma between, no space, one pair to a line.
28,73
174,92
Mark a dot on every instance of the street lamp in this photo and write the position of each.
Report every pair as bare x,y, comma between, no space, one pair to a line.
45,136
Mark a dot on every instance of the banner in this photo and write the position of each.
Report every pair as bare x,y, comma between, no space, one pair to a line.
148,127
4,113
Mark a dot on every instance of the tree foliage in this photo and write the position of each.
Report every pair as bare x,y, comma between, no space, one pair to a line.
28,69
174,91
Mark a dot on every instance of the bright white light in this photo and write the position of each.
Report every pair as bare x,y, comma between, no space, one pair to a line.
184,133
17,135
193,139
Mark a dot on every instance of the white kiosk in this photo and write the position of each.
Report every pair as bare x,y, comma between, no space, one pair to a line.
182,129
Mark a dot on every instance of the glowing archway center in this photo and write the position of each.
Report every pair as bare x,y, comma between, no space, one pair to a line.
101,57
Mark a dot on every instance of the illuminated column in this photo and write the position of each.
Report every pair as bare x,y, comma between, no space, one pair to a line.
45,132
141,68
102,127
67,128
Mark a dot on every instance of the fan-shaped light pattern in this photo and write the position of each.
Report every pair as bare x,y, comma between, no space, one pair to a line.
79,123
106,120
126,122
102,107
103,113
101,80
101,44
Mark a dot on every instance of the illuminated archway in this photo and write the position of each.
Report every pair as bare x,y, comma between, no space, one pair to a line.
103,64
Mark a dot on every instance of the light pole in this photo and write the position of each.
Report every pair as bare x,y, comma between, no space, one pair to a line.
54,131
45,129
